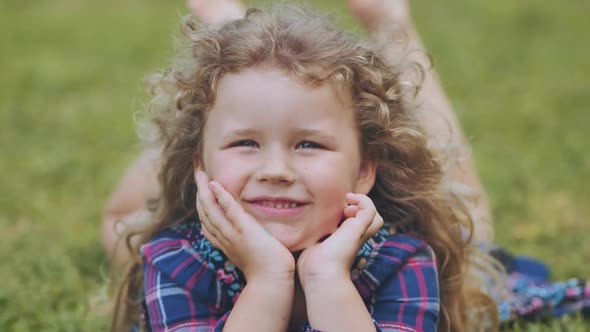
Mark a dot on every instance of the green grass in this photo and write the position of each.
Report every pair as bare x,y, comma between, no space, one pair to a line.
70,82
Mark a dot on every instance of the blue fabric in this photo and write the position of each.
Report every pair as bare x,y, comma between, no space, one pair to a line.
532,268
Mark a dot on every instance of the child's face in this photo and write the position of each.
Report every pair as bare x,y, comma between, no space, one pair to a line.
287,152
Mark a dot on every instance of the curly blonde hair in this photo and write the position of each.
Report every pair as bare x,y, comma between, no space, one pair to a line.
307,46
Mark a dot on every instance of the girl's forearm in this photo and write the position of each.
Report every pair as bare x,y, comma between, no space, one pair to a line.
336,305
263,305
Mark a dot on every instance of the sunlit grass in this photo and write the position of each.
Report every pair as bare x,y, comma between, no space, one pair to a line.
70,82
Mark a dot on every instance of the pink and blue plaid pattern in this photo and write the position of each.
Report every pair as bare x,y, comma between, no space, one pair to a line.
191,286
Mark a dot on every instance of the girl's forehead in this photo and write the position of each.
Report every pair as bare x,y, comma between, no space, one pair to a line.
271,78
270,91
270,101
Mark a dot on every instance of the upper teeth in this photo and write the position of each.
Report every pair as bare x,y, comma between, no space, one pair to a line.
278,205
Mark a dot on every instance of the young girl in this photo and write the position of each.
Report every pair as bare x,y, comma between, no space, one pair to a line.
296,193
127,206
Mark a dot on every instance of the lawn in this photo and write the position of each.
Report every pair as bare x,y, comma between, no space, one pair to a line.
71,76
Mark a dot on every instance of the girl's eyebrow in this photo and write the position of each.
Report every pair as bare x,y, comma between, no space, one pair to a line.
238,133
301,132
317,134
233,135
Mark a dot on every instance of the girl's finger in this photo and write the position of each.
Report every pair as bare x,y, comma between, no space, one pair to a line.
367,210
374,227
220,241
209,231
350,211
365,216
231,209
353,199
211,238
204,217
361,222
211,208
364,202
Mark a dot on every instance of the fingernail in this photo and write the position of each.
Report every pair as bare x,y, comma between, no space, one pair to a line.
211,185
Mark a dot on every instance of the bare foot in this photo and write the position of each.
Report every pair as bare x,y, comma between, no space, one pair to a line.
377,15
216,12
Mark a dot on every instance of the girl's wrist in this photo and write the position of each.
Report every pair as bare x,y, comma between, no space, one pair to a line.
280,271
336,306
272,287
273,279
319,282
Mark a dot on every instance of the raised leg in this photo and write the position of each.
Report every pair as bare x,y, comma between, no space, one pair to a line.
391,19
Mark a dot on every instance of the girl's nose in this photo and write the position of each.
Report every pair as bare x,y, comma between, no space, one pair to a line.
275,167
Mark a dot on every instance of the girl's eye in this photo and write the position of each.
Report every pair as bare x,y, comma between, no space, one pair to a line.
245,143
308,145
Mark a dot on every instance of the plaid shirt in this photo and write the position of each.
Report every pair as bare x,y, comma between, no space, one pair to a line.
191,286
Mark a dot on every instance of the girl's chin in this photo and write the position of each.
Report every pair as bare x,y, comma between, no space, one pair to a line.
296,245
296,239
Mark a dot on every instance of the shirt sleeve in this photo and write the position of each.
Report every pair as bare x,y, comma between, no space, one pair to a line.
409,299
178,289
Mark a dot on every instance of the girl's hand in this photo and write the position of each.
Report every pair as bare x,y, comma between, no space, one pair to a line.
330,260
243,240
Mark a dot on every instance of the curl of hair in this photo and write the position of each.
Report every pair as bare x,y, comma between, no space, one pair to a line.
308,47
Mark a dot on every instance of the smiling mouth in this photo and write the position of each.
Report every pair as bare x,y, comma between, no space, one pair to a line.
276,208
278,204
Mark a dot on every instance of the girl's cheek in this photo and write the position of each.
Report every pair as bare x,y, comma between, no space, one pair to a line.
227,182
229,179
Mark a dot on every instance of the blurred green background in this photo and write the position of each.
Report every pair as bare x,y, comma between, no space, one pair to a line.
71,77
